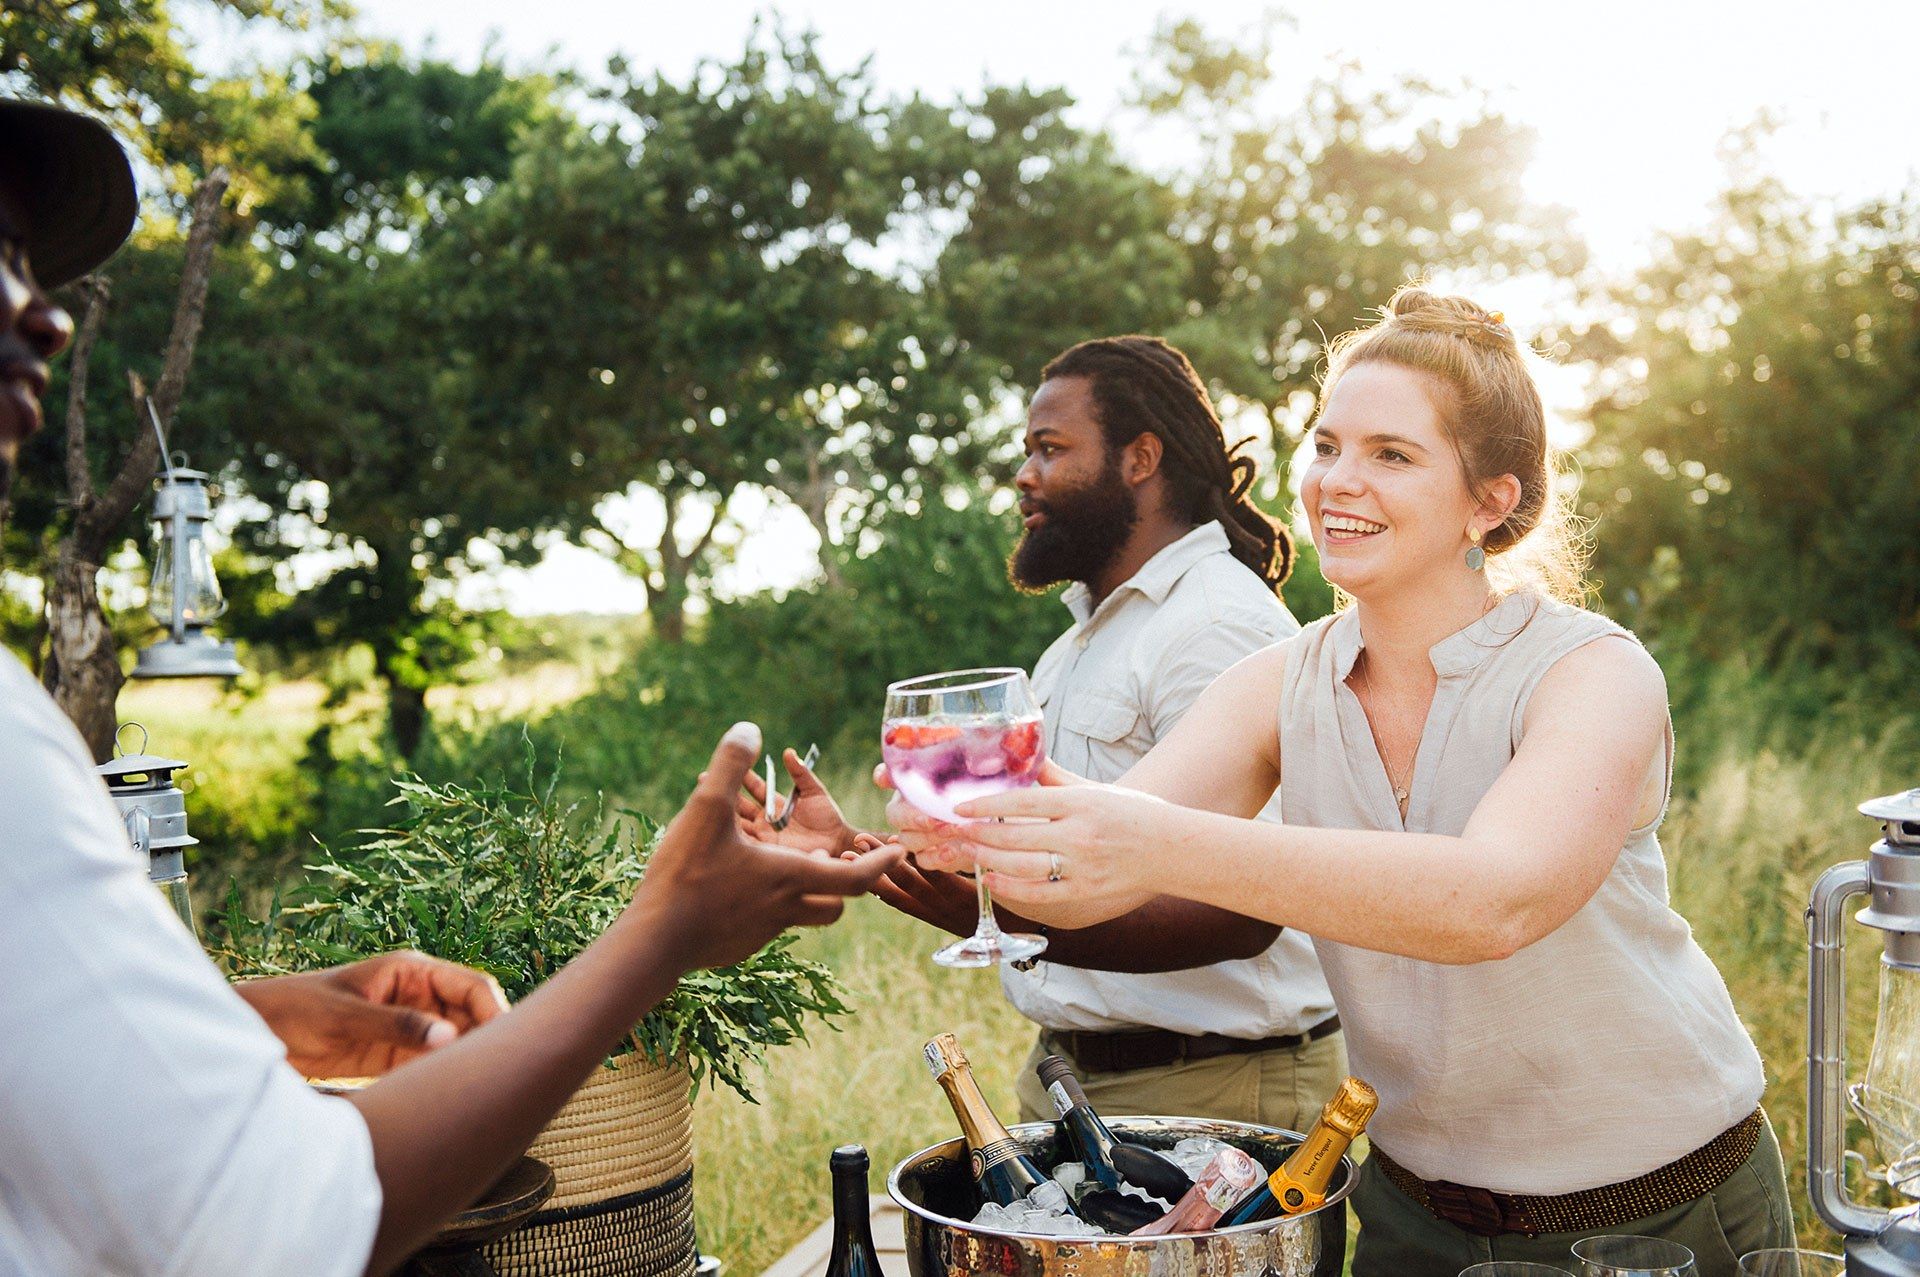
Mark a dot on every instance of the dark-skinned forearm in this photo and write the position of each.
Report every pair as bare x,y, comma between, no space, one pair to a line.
1165,934
447,1125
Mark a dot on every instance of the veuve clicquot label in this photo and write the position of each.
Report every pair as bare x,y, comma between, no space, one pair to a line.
1301,1183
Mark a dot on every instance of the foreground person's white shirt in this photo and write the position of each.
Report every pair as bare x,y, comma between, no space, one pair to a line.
149,1122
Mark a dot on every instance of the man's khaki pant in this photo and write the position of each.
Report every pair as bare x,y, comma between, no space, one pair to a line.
1275,1088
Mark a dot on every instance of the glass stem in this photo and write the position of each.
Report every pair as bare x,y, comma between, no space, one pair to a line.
988,925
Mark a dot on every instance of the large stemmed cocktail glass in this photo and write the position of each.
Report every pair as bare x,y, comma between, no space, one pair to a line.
948,738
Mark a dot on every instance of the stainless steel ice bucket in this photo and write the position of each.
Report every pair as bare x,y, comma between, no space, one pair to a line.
935,1189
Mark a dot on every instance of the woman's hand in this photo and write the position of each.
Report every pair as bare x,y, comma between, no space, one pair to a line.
368,1017
1067,853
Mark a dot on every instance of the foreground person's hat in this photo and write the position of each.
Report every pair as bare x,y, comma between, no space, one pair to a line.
68,175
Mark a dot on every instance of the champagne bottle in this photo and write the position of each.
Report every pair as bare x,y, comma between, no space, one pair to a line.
1301,1182
853,1254
1003,1172
1118,1213
1112,1161
1225,1180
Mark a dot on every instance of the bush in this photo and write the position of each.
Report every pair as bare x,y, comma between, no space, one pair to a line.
517,884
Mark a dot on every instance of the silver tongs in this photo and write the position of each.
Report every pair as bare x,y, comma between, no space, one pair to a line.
785,813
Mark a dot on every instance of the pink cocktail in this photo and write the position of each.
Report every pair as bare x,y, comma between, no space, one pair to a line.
949,738
937,765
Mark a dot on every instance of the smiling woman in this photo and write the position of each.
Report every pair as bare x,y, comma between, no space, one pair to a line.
1473,774
1475,393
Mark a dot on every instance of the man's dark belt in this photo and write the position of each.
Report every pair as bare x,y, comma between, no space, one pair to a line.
1488,1214
1155,1048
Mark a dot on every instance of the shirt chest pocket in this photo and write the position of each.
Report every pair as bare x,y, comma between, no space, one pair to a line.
1111,733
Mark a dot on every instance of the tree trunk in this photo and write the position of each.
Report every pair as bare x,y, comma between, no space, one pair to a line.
395,599
82,668
406,716
670,585
813,499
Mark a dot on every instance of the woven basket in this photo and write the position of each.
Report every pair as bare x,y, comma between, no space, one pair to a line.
622,1158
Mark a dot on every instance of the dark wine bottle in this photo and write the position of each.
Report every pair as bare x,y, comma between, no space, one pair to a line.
1116,1212
1301,1182
1003,1172
853,1254
1109,1159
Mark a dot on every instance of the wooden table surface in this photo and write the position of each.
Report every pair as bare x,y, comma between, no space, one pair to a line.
809,1258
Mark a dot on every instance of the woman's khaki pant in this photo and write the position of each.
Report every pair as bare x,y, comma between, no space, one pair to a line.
1749,1211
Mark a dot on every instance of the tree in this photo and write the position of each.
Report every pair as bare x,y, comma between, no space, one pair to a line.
126,60
1757,432
685,290
352,404
82,667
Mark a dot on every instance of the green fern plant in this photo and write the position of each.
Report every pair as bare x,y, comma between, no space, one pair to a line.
515,884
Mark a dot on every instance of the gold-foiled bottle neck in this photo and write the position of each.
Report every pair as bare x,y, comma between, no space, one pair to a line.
944,1056
1351,1107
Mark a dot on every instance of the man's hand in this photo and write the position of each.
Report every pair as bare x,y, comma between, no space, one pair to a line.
368,1017
716,895
816,823
944,900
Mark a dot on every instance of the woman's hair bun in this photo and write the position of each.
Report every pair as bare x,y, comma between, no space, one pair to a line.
1415,307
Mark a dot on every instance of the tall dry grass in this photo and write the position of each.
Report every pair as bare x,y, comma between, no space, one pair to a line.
1743,852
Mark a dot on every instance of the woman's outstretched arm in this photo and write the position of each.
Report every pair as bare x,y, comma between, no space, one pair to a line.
1535,850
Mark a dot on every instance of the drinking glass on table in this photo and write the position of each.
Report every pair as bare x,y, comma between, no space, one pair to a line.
1616,1255
948,738
1791,1263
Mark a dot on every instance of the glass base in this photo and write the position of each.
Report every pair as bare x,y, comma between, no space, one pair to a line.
985,950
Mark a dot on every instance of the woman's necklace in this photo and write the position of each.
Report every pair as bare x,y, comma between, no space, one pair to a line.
1401,784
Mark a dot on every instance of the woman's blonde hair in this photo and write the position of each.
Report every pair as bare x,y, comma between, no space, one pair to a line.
1490,408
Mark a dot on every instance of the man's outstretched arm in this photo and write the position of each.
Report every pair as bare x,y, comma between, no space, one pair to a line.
447,1125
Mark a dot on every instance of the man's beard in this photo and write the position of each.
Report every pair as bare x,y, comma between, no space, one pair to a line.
1084,528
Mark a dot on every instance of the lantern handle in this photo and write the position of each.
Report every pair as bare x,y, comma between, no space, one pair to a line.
140,831
120,751
166,458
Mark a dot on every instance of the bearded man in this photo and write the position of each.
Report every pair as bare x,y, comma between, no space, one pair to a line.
1130,493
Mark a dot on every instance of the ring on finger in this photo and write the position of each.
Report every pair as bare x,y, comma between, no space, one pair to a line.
1053,866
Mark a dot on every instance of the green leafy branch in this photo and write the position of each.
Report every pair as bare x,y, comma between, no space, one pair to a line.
516,884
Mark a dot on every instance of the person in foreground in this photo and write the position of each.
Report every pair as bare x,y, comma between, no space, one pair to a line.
1131,494
1473,774
149,1121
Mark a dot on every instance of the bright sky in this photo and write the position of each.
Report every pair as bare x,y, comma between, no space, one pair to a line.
1630,100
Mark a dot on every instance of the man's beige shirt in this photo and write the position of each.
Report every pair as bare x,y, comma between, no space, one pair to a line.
1111,687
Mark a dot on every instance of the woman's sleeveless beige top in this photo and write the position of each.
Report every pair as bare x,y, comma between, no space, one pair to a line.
1607,1049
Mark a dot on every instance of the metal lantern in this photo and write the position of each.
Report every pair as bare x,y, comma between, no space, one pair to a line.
155,811
1879,1243
184,594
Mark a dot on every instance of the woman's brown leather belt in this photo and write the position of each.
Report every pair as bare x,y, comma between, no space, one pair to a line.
1486,1213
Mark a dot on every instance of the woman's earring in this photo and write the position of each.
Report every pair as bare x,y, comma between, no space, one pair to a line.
1476,557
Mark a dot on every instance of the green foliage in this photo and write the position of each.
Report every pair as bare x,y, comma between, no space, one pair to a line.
812,666
1754,449
516,884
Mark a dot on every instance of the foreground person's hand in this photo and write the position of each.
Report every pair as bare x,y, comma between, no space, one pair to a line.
365,1018
717,895
816,824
